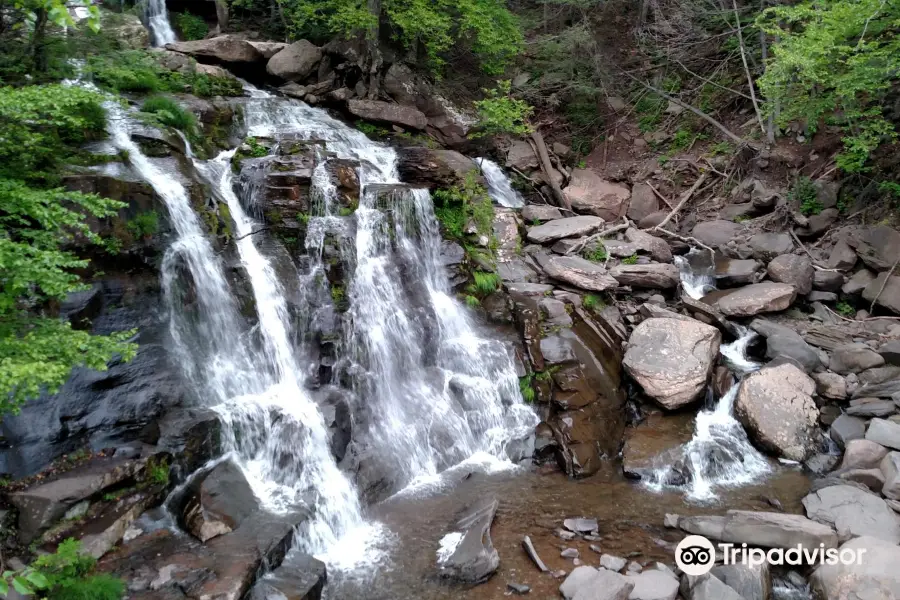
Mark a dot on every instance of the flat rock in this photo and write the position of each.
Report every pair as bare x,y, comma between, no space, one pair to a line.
775,405
830,385
540,212
890,470
862,454
733,272
475,559
886,290
653,275
588,583
853,358
658,248
758,298
222,48
386,112
716,233
653,585
775,530
874,408
580,524
847,428
300,577
558,229
671,359
792,269
878,247
766,246
579,272
876,577
590,194
886,433
853,513
858,282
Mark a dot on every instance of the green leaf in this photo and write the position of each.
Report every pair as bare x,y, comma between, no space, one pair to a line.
22,586
37,580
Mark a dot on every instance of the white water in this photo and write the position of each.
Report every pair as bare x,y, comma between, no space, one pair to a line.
499,187
157,17
697,273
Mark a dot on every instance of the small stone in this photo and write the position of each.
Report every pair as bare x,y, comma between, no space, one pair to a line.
595,548
518,588
569,553
576,562
613,563
635,567
671,521
580,525
566,535
559,574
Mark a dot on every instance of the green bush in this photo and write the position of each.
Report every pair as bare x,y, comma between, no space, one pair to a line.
139,71
455,206
803,194
500,113
597,253
191,26
64,575
630,260
144,225
170,113
93,587
592,302
526,388
486,283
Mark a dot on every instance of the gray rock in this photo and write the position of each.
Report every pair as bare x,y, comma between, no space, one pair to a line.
878,247
533,555
521,156
634,567
643,202
540,212
558,229
821,463
708,526
268,49
658,248
732,272
886,433
775,406
752,583
518,588
756,299
858,282
569,553
296,62
820,223
873,479
846,428
613,563
828,281
653,585
774,530
853,358
792,269
842,257
890,469
766,246
579,272
873,408
475,558
817,296
784,341
300,577
653,275
222,48
886,290
588,583
386,112
707,587
218,502
876,577
853,513
580,525
890,351
830,385
716,233
862,454
671,359
589,194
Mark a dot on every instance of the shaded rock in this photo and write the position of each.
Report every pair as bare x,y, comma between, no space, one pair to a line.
475,558
792,269
707,587
767,246
858,282
886,433
775,405
564,228
386,112
890,470
775,530
853,513
862,454
223,48
218,502
658,248
268,49
886,290
842,257
653,219
579,272
613,563
817,296
853,358
654,275
873,479
828,281
671,359
643,202
192,435
300,577
732,272
757,298
432,168
716,233
784,341
521,156
846,428
890,351
831,386
590,194
400,84
878,247
296,62
751,582
540,212
875,577
871,407
820,223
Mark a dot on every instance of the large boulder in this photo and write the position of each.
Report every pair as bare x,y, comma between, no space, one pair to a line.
784,341
775,405
474,558
521,156
401,85
558,229
671,359
853,358
591,194
758,298
716,233
296,62
224,49
658,248
653,275
845,429
387,112
757,528
853,512
862,454
433,168
884,290
766,246
588,583
878,247
793,269
653,584
874,577
581,273
218,502
643,202
268,49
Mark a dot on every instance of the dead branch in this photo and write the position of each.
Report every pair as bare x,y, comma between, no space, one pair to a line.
685,197
594,237
803,247
660,196
685,239
883,285
547,168
759,117
260,230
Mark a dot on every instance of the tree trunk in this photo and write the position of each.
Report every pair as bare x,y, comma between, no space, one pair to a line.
38,51
373,59
547,169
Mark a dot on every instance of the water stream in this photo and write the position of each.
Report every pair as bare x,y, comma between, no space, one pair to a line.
499,186
157,17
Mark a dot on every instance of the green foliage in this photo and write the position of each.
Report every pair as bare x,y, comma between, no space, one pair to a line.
93,587
803,194
500,113
845,308
835,60
890,188
472,301
370,129
157,472
721,149
168,112
454,207
144,224
593,303
526,388
337,294
190,25
597,253
486,283
140,71
630,260
650,109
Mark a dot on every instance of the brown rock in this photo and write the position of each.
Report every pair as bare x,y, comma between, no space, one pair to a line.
386,112
590,194
757,298
793,269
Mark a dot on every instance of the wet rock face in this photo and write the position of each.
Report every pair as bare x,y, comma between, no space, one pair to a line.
775,405
434,169
474,559
671,359
218,502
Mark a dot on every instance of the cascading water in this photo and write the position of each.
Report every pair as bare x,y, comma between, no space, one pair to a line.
157,17
697,273
499,186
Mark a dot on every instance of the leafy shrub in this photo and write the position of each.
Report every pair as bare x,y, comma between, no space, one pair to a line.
486,283
93,587
592,302
472,301
140,71
144,225
64,575
170,113
597,253
191,26
500,113
630,260
526,388
455,206
845,308
803,194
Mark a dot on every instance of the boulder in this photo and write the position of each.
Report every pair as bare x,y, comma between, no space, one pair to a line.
887,291
671,359
890,350
756,299
576,271
847,428
387,112
475,559
224,48
890,469
218,502
886,433
268,49
733,272
873,479
400,84
590,194
716,233
653,275
878,246
432,168
643,202
853,513
296,62
658,248
858,282
300,577
521,156
767,246
828,281
751,582
653,584
842,257
820,223
775,530
792,269
862,454
540,212
874,577
784,341
564,228
775,405
853,358
588,583
830,385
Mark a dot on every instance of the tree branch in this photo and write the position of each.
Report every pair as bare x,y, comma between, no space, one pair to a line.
687,196
740,33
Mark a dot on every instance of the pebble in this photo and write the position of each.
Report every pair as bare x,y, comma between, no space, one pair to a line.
566,535
635,567
581,525
569,553
559,574
613,563
577,562
593,538
596,548
518,588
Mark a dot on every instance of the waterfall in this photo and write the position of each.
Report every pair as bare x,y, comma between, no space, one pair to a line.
499,186
697,273
157,16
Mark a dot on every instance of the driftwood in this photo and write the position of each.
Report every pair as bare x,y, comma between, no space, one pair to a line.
547,169
687,196
593,237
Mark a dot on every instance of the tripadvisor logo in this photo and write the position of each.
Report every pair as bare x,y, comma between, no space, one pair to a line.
696,555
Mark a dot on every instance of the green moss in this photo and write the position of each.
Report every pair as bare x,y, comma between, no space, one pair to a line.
486,283
845,308
526,389
144,225
630,260
593,303
455,206
597,253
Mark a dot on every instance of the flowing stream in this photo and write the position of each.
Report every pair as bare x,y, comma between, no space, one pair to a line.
499,186
428,392
157,17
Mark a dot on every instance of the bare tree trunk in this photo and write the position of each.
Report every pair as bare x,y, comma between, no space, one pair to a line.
547,169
